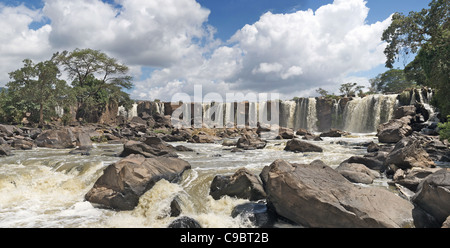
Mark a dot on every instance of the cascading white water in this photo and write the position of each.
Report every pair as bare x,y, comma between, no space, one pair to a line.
362,115
312,115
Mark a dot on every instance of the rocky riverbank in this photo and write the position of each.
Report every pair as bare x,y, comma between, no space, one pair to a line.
310,195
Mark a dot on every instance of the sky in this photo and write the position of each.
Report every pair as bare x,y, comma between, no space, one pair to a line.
290,47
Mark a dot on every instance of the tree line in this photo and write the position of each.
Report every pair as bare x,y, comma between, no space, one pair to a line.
36,90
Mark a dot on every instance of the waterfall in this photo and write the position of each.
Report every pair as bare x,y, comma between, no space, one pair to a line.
59,111
336,115
311,117
130,113
363,115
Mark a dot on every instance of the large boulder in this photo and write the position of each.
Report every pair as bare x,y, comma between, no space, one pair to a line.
296,145
150,148
315,195
250,141
357,173
394,130
57,139
242,184
408,153
122,183
433,195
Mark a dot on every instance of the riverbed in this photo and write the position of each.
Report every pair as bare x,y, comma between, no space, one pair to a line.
46,187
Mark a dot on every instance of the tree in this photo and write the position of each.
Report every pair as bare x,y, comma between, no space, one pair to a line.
391,81
350,89
98,81
427,34
35,85
322,92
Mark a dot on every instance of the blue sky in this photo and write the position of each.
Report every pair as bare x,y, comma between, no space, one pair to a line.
226,46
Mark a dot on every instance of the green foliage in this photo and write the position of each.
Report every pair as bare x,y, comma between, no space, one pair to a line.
444,132
426,33
322,92
391,81
97,81
350,89
34,89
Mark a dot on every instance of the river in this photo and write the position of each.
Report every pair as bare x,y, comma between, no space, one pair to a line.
46,187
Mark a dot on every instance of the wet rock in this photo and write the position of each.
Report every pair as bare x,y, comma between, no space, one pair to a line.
229,142
57,139
21,144
312,137
248,141
408,153
203,138
151,147
257,213
122,183
185,222
394,130
5,150
373,147
357,173
373,163
334,133
175,208
296,145
315,195
411,178
182,148
402,111
433,195
242,184
286,133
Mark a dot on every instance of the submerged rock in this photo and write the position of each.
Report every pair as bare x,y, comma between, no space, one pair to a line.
185,222
315,195
122,183
257,213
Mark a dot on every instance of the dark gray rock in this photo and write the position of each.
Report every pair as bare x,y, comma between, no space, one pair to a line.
394,130
122,183
408,153
257,213
357,173
315,195
242,184
185,222
296,145
433,195
57,139
151,147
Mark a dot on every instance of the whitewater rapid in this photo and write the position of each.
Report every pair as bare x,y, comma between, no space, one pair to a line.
46,187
